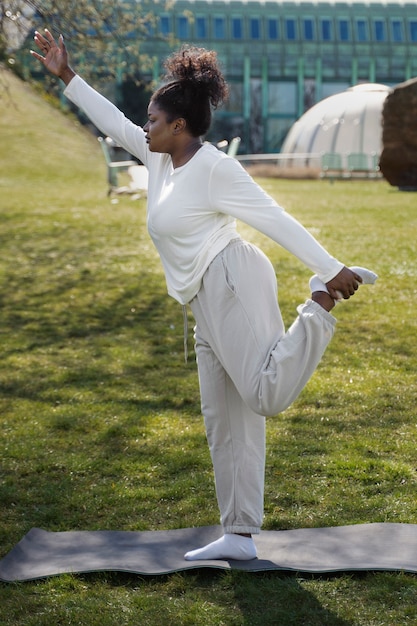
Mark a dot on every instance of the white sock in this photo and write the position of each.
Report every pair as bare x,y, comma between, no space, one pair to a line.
230,546
368,278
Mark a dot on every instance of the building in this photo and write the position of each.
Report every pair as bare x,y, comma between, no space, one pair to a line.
282,57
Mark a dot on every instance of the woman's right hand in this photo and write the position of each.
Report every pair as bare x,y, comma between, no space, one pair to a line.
55,57
344,284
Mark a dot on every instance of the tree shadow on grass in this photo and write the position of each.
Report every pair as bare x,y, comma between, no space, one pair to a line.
76,348
275,599
248,598
78,392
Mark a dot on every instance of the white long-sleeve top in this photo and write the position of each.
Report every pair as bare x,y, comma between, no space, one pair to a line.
192,210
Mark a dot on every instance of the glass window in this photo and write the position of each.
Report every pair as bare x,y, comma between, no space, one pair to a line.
308,29
330,88
237,28
182,27
382,66
380,33
282,97
255,27
165,25
413,30
272,25
397,33
290,29
361,30
326,30
344,30
219,28
201,27
149,27
234,102
277,131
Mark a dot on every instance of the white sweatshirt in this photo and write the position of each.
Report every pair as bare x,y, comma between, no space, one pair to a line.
192,210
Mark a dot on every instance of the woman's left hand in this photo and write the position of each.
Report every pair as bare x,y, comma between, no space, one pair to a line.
55,57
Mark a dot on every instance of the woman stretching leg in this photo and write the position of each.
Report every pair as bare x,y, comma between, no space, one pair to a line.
248,366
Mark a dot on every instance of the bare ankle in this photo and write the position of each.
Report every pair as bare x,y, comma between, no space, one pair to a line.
323,299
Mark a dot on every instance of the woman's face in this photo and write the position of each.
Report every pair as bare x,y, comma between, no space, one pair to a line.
160,134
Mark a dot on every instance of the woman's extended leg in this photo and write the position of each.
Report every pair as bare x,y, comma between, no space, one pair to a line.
237,313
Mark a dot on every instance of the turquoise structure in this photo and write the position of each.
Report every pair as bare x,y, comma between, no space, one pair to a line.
282,57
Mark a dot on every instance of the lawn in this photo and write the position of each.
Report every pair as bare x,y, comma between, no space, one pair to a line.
99,414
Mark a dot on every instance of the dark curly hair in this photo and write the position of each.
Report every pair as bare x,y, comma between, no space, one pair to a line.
194,87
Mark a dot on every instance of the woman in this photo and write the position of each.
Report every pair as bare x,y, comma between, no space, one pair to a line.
248,366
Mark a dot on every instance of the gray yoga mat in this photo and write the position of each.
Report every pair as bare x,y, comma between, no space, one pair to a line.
381,546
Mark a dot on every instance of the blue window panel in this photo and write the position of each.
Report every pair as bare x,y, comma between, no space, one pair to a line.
255,27
219,26
182,27
361,30
282,97
149,28
397,32
308,29
326,30
413,30
201,27
237,28
380,31
290,29
344,30
272,26
165,25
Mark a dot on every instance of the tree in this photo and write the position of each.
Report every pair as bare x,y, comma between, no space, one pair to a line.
15,21
104,35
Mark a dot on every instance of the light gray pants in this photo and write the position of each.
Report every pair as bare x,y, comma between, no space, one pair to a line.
249,367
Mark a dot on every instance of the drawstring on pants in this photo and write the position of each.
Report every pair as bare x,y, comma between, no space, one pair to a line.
185,319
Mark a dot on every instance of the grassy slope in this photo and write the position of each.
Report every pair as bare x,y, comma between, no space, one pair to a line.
100,418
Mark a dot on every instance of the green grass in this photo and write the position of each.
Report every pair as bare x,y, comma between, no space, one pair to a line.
100,419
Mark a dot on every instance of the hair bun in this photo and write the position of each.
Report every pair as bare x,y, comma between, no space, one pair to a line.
200,68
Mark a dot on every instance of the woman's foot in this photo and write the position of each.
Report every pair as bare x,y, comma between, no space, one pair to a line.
230,546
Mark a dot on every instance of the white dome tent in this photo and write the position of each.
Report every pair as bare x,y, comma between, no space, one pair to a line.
342,133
